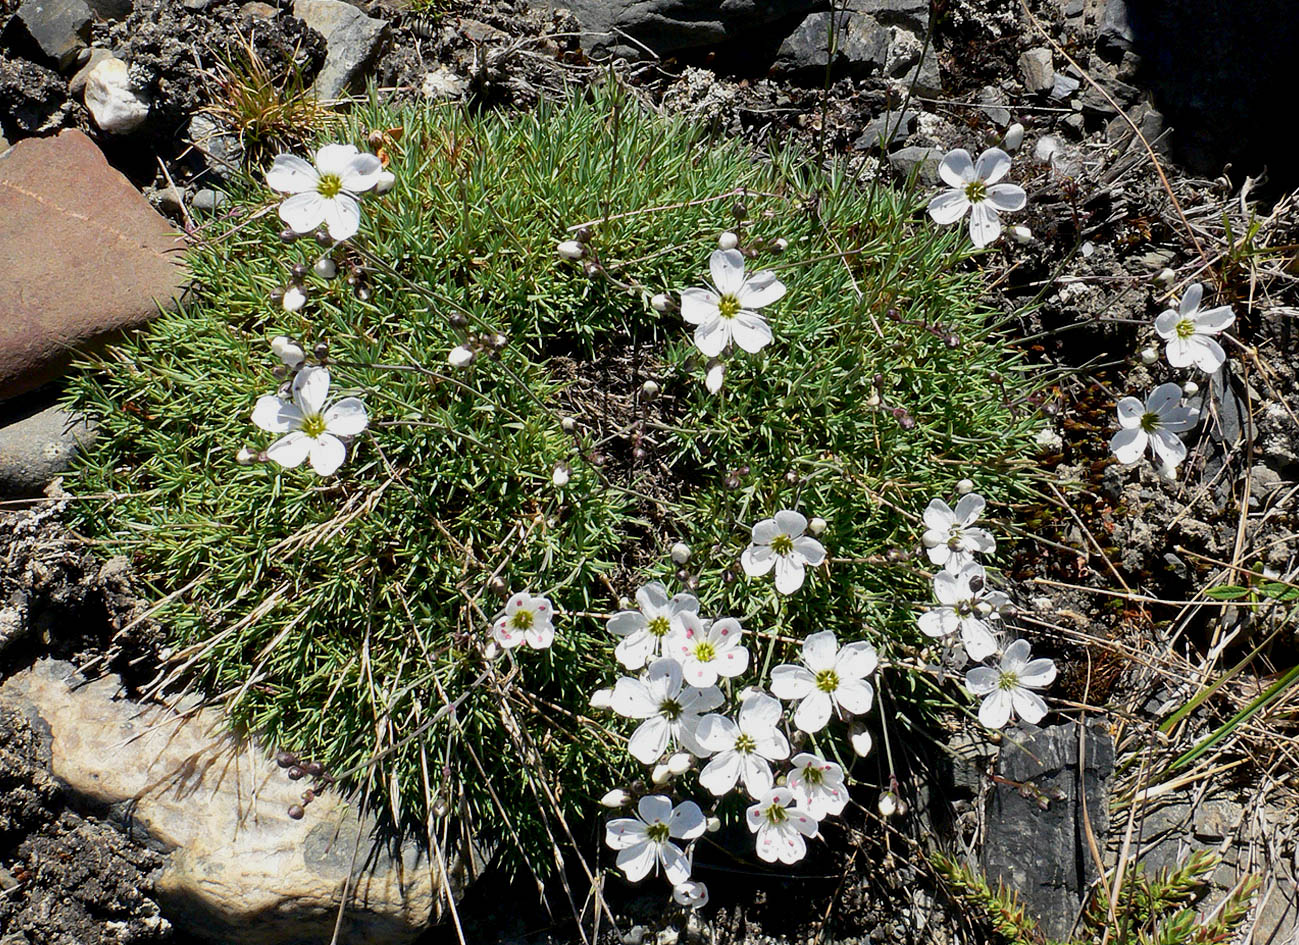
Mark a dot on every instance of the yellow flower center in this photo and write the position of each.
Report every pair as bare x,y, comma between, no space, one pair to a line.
1185,328
775,814
1150,421
827,680
728,306
329,186
657,831
976,191
313,425
782,544
704,651
659,626
745,744
813,775
522,620
670,709
1008,681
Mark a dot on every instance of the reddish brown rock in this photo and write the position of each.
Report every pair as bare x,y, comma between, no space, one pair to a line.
82,257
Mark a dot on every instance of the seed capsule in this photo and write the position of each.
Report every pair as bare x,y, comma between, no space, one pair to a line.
296,811
285,759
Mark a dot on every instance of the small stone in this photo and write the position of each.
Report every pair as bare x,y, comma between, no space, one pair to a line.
905,160
993,105
256,10
77,84
1114,34
1037,69
168,200
887,128
1064,86
221,148
444,84
37,445
209,199
59,28
115,106
352,39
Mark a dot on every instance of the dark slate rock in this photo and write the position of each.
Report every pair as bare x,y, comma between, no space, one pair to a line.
906,160
37,446
861,47
59,28
891,127
1114,34
353,42
673,26
1044,855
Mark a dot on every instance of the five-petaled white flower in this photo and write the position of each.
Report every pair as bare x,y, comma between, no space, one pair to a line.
967,605
644,631
691,894
1156,424
1189,332
326,193
644,842
706,652
744,749
1010,686
525,619
950,539
817,786
780,826
670,710
829,677
312,430
728,311
780,543
975,188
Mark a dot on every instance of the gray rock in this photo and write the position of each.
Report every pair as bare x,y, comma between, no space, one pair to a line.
169,200
209,200
221,149
671,26
95,55
924,161
112,9
1073,9
887,128
1065,85
60,28
37,446
1114,32
1043,854
861,47
353,41
444,84
993,104
1037,69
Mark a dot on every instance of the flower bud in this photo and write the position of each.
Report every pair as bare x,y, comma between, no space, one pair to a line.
1020,234
715,376
288,234
325,267
1014,137
298,271
680,762
1190,388
461,356
321,350
860,737
816,526
616,798
650,389
568,424
291,354
660,302
728,240
680,552
592,269
713,824
661,774
691,894
583,234
296,812
1165,278
1149,355
491,651
965,486
387,180
294,299
780,244
571,249
888,804
245,456
559,476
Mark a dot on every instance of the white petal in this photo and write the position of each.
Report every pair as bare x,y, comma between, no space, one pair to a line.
1007,197
275,415
637,861
699,306
956,169
290,174
1163,397
727,269
1166,324
1128,445
711,338
759,713
985,227
715,376
1215,319
855,696
791,523
789,573
763,532
1028,705
791,682
623,833
757,560
632,698
720,774
649,740
1016,656
303,212
992,166
675,865
1208,354
1180,352
311,390
948,207
1170,450
939,622
856,660
995,711
342,217
335,158
654,807
981,680
947,587
756,774
761,289
1130,412
1191,300
346,418
969,508
327,454
939,517
290,451
813,712
717,733
1038,674
810,550
750,331
978,640
361,173
820,651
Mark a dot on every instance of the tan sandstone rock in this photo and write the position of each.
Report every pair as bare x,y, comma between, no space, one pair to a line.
239,869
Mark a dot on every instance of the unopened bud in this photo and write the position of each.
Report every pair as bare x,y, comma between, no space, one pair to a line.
965,486
713,824
1149,355
568,424
1190,388
680,552
1165,278
616,798
728,240
715,377
660,302
650,389
1014,137
661,774
780,244
291,354
680,762
325,267
816,526
861,740
1020,234
245,456
571,249
294,298
491,651
888,804
461,356
559,476
387,180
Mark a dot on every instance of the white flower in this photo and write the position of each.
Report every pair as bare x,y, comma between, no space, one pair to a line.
291,354
707,652
715,376
669,712
1189,332
975,188
967,605
644,631
293,299
1156,424
728,310
313,431
817,786
744,749
525,619
1008,687
950,538
780,543
643,841
829,677
692,894
326,193
780,827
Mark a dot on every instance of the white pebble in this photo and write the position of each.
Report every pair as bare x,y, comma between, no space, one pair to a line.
114,105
